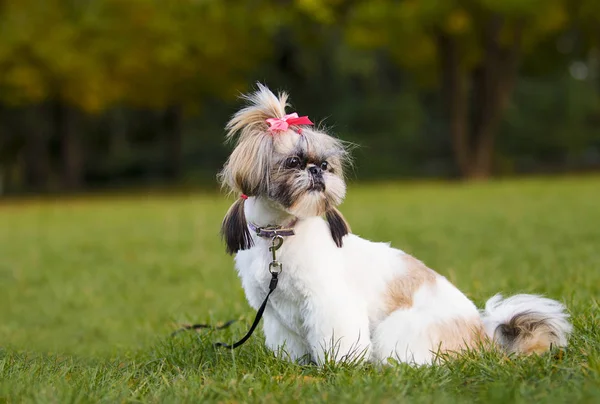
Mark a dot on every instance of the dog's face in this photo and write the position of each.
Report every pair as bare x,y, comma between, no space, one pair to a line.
306,173
299,169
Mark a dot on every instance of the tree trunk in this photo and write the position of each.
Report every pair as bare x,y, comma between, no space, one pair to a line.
118,142
454,88
486,101
492,84
36,159
493,88
71,151
173,130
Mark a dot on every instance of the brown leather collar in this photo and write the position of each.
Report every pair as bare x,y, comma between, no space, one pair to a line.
272,231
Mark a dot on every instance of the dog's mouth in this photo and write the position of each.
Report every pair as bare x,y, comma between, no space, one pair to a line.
318,186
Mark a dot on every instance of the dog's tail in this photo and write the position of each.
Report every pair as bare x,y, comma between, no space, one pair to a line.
526,324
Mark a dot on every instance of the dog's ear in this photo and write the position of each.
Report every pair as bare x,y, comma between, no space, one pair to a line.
247,168
338,225
234,229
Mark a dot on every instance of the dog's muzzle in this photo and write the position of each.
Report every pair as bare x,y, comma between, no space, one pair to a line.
317,181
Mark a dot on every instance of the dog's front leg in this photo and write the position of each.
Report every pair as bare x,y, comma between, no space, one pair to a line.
337,323
282,341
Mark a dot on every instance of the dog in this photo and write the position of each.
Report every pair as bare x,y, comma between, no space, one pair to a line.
341,297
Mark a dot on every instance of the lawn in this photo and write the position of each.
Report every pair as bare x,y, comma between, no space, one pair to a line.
91,288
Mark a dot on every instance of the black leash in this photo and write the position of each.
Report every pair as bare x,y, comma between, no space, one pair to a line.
259,314
199,326
275,268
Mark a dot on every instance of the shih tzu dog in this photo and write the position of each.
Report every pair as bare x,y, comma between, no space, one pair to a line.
341,297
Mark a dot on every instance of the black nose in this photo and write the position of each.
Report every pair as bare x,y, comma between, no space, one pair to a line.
314,170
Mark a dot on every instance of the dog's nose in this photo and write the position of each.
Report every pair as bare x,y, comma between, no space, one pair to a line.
314,170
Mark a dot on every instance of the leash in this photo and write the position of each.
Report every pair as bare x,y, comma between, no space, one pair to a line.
275,268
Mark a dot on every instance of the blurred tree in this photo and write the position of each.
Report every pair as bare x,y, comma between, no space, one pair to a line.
175,54
90,55
105,90
470,50
587,15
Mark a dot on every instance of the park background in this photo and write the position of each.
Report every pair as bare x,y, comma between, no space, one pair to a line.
477,125
111,93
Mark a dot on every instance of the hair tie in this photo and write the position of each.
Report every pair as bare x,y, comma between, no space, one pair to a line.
244,196
282,124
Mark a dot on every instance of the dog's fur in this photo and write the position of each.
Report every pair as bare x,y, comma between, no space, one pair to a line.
341,297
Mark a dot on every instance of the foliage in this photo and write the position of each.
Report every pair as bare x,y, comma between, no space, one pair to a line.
95,54
471,50
98,92
408,29
92,286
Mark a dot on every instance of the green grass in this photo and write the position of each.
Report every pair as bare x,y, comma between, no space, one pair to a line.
92,287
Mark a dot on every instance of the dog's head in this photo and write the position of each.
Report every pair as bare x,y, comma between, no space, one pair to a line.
283,159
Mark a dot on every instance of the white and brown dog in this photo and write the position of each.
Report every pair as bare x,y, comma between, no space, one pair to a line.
341,297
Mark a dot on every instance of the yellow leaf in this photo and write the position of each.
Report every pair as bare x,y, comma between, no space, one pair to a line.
458,22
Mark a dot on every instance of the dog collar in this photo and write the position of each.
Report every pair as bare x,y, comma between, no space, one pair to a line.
272,231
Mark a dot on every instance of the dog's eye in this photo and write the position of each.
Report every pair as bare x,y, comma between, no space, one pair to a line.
292,162
324,166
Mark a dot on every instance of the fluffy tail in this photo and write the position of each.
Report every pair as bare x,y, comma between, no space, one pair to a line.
526,324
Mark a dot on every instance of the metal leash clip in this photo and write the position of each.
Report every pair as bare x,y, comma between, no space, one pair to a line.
275,266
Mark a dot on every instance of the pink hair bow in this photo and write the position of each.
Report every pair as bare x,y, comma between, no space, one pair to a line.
282,124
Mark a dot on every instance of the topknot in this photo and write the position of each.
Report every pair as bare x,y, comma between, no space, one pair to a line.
251,120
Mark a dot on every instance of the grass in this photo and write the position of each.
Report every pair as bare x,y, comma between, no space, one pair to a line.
92,287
